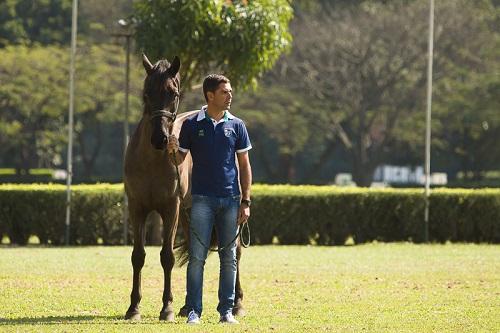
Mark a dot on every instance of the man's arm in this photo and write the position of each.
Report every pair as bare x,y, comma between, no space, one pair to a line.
246,184
245,174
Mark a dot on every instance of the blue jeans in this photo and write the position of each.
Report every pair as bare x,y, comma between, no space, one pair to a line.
207,212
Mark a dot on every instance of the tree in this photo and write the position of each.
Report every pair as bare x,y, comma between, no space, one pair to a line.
279,133
102,18
34,103
467,111
466,121
240,38
365,65
44,22
48,22
33,93
99,96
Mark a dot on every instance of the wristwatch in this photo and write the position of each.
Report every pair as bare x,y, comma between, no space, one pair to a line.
246,202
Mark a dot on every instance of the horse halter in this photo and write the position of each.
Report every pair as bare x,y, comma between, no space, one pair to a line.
165,113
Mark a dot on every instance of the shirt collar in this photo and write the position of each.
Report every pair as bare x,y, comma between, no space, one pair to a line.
202,114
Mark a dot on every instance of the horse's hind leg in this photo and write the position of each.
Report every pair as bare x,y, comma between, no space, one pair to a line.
238,309
137,218
170,217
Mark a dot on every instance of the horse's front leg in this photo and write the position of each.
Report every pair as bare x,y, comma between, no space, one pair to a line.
170,218
138,219
184,222
238,309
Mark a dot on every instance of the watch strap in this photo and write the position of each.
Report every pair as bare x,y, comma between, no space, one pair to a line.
246,202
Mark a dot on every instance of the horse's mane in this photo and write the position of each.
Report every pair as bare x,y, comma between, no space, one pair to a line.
161,66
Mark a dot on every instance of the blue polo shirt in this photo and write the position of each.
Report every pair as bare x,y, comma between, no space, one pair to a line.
213,146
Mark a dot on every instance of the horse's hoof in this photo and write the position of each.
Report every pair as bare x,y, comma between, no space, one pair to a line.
183,312
239,311
133,316
167,316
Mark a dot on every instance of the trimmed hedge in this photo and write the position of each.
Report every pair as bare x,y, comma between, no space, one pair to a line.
41,210
327,216
323,215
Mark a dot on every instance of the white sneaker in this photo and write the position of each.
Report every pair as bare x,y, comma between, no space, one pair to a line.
193,318
228,318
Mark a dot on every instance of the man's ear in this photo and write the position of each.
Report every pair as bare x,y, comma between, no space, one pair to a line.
210,95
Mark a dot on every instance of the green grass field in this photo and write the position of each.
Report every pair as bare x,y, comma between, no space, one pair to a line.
374,287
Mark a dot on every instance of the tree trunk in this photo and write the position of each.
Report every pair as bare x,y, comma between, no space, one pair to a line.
316,168
362,175
89,158
288,168
363,165
271,172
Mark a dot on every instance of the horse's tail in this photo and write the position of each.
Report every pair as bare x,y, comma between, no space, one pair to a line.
183,247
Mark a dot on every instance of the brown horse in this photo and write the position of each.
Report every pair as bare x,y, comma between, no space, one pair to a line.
151,181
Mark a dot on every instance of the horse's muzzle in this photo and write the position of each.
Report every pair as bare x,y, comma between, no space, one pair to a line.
159,143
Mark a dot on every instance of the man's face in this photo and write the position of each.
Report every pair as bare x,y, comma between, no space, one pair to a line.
222,97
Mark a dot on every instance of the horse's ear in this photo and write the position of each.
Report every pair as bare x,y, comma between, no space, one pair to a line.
147,64
174,66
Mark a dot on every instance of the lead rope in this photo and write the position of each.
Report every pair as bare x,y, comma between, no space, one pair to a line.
240,228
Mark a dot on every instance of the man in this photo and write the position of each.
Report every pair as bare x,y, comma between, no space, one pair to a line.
214,137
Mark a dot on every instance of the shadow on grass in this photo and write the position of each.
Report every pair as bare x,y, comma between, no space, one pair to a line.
59,320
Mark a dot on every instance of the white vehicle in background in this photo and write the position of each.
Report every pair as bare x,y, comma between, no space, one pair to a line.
402,175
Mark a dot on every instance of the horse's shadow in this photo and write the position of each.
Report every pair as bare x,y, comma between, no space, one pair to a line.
48,320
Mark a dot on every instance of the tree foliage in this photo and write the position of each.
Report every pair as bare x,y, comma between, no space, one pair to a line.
34,102
349,96
48,22
99,98
365,68
33,93
467,108
240,38
279,132
42,21
102,18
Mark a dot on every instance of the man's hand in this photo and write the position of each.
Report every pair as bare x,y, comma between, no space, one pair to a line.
173,144
243,214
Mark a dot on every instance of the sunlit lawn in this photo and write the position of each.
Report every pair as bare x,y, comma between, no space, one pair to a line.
375,287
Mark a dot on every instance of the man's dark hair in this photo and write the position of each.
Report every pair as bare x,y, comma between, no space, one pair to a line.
211,83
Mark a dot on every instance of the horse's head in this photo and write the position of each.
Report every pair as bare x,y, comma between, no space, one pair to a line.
161,98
